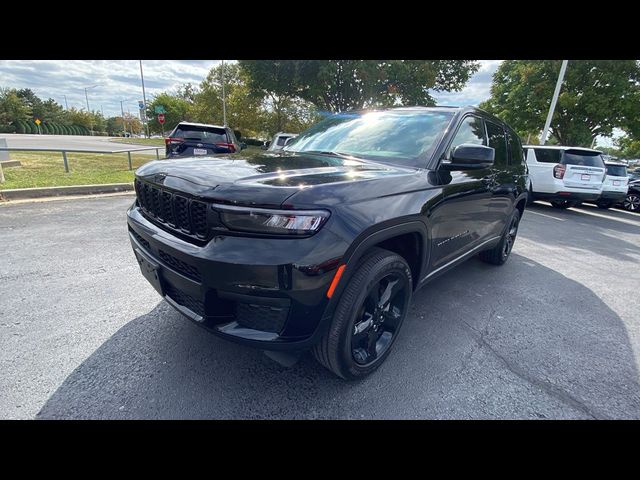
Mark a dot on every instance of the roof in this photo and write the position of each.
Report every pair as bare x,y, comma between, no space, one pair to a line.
562,147
615,162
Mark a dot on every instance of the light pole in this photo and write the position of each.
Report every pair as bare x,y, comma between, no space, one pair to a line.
124,125
65,102
547,124
144,100
86,96
224,101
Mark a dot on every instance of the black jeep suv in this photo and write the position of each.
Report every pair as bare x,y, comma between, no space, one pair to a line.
321,245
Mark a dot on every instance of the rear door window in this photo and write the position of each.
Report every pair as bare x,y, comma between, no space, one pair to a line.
582,158
498,142
201,134
516,156
547,155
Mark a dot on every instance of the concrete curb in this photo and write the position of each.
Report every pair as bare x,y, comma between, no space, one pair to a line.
27,193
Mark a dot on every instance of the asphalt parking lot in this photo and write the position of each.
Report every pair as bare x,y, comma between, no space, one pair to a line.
555,333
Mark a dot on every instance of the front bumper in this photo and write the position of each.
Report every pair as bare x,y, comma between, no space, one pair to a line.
266,293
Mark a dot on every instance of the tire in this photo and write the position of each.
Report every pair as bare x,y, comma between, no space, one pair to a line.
358,340
604,204
499,254
562,204
632,202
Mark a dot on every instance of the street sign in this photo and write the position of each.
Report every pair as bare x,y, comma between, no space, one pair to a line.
38,122
161,118
159,109
140,104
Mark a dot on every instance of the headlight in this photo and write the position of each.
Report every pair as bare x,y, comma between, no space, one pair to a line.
274,222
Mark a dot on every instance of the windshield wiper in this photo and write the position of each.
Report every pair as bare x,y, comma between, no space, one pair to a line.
328,152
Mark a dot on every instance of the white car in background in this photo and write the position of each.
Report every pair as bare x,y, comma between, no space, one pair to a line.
615,185
565,176
280,140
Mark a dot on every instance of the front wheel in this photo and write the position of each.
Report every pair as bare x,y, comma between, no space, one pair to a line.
562,204
368,317
632,202
500,253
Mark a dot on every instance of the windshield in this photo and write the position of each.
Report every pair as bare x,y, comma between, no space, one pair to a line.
399,137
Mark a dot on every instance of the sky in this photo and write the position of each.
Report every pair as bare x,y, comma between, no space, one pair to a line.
120,80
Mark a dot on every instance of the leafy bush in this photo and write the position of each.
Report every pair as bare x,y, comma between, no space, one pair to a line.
33,128
7,129
45,129
20,126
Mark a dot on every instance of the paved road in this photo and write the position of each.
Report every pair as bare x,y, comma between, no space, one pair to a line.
81,142
554,333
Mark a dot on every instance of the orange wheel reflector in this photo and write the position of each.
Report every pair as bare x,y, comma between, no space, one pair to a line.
336,279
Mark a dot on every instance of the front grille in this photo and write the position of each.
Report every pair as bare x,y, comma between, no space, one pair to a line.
185,300
180,266
177,212
261,317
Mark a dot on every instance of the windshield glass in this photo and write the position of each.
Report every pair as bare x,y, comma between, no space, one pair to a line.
400,137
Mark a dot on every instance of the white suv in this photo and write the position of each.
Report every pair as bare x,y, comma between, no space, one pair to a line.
615,185
565,176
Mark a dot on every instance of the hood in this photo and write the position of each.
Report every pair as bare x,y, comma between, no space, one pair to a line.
266,179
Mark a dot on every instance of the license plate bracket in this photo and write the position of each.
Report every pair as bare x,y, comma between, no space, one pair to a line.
585,176
199,151
150,270
616,183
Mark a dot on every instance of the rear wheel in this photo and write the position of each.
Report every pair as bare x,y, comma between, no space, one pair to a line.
562,204
499,254
368,317
632,202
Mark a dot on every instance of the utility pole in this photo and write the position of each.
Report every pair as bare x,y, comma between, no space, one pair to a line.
224,100
144,100
552,108
88,110
124,125
65,102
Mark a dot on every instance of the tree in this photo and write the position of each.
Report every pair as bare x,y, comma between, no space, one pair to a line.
177,110
338,85
628,146
12,107
596,97
269,81
244,111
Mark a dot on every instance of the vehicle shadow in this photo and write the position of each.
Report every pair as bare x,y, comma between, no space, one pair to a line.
587,228
480,342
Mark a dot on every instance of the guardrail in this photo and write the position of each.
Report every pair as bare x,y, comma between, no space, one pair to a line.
79,150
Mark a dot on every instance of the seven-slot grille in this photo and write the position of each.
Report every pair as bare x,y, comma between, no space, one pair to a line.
175,211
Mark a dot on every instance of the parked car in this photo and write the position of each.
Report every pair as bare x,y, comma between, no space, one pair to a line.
280,140
565,176
634,175
199,139
614,186
321,245
632,200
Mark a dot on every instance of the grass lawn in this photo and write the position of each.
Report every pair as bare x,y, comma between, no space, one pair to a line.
47,169
156,142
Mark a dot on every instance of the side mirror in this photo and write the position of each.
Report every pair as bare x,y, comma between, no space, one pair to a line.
470,156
